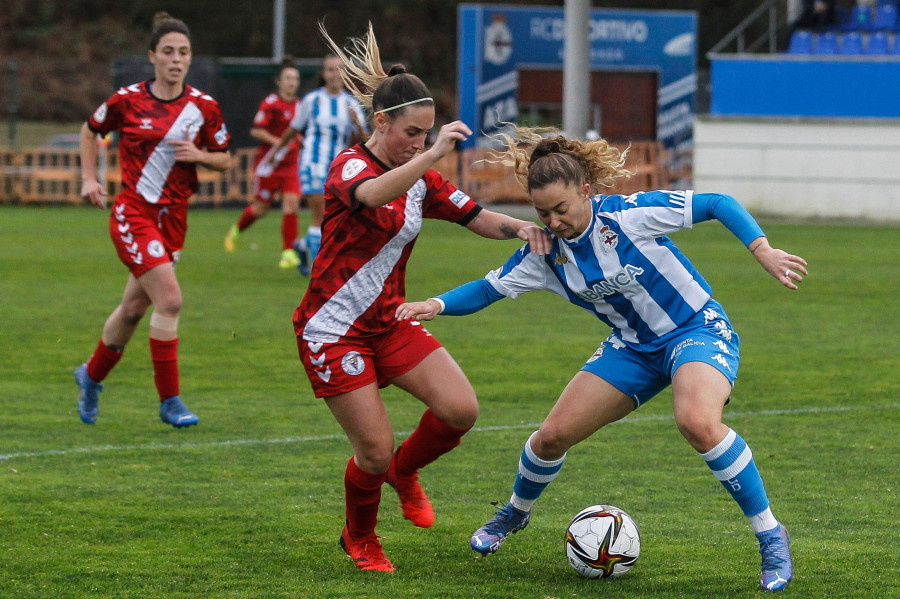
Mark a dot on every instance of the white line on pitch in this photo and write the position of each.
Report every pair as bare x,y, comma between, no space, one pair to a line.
477,429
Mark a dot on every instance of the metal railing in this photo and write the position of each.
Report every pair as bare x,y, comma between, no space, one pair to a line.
768,38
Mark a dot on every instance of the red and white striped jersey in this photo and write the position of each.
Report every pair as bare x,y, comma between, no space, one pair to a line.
274,115
359,275
145,123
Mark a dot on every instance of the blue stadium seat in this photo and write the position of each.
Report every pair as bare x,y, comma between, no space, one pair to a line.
851,43
860,18
801,42
895,46
885,18
878,44
826,43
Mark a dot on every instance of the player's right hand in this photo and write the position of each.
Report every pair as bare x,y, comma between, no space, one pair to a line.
426,310
448,136
94,193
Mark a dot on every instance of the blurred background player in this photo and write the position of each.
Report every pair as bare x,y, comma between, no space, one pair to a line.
163,124
376,197
611,256
330,120
278,175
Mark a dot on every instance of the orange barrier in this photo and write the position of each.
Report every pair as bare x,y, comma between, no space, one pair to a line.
52,176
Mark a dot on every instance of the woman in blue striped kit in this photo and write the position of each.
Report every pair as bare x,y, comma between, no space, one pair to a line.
612,258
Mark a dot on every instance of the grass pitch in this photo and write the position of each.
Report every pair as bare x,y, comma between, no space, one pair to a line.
250,503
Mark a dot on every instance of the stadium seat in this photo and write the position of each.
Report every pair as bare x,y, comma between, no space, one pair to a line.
801,42
895,46
851,43
860,18
826,43
885,18
878,44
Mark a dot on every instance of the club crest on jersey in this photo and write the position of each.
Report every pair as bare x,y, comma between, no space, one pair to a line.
353,364
561,259
352,168
609,239
146,124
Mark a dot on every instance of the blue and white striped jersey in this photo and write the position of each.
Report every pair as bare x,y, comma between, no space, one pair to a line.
327,127
622,269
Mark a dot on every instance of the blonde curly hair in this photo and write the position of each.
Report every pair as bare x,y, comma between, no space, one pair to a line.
540,156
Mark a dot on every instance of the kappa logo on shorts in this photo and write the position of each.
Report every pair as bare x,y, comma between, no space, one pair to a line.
353,364
352,168
156,249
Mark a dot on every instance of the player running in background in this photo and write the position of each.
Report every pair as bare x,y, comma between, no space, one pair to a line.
163,125
330,120
277,176
611,257
376,196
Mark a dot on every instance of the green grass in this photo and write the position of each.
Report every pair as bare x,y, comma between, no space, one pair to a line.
250,503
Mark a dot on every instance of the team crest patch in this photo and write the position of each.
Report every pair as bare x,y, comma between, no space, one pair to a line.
609,239
352,168
156,249
353,364
597,354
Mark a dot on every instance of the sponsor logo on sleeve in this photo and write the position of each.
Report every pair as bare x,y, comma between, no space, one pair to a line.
100,113
352,167
221,135
459,198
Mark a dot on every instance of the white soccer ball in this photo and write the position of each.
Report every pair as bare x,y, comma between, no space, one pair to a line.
602,541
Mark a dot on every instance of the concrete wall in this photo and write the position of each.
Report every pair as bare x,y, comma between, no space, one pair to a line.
802,168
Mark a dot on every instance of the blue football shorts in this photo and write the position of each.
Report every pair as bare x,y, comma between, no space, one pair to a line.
641,374
312,178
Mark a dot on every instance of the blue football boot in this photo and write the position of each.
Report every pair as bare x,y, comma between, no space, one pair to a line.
174,412
777,566
507,520
88,398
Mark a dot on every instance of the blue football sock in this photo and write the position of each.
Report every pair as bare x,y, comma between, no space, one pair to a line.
533,477
313,240
732,464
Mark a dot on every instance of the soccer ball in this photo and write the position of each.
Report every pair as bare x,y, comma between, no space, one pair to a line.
602,541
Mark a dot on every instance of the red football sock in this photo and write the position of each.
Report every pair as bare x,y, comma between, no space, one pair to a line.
247,218
102,361
363,494
288,231
431,439
165,367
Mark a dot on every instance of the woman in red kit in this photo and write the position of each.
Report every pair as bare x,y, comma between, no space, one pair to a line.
166,128
278,175
350,343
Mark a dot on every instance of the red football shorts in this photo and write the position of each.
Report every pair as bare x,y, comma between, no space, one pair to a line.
354,362
284,180
147,235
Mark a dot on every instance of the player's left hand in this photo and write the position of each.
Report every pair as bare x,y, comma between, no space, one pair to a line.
539,239
787,268
186,150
